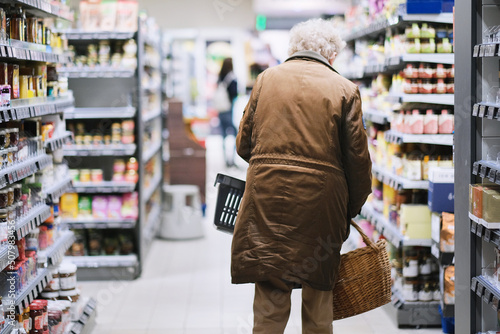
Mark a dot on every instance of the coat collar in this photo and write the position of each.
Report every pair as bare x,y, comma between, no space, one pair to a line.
311,55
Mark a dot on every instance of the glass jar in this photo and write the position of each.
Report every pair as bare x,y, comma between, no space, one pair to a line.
67,277
3,135
426,292
69,295
411,289
85,175
50,295
10,196
17,191
14,137
42,237
4,198
410,268
37,317
32,239
96,175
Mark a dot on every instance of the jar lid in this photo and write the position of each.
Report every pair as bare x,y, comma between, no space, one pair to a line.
4,191
49,294
35,305
67,268
14,130
69,293
54,271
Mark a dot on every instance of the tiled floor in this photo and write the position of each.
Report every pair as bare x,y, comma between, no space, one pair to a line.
185,287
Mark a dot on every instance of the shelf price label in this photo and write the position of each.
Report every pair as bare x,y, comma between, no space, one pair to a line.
473,227
479,230
491,112
482,110
483,171
494,302
480,289
487,235
497,179
492,175
487,297
475,110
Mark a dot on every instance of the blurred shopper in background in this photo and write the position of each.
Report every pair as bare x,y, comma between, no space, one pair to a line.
309,174
227,91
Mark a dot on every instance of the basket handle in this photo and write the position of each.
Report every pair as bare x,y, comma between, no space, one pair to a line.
366,240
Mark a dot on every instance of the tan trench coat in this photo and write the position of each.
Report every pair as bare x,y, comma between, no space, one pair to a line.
309,173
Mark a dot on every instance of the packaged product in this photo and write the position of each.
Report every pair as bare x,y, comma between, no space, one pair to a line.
126,15
111,244
13,72
114,207
476,200
447,239
491,207
69,205
130,207
126,243
100,207
85,207
78,247
108,14
449,285
95,242
90,13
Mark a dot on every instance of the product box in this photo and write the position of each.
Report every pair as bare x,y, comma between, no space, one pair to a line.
436,227
447,243
69,205
441,189
491,205
425,6
415,221
476,200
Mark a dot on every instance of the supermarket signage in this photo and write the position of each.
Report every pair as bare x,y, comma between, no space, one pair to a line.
294,7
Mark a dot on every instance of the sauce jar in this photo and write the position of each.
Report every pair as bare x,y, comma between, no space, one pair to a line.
119,166
69,295
85,175
3,134
50,295
53,285
17,192
4,198
10,196
67,277
37,317
14,136
132,164
96,175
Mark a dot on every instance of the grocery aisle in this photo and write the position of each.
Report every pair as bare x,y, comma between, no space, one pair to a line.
185,286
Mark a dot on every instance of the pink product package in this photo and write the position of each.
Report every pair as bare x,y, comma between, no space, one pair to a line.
130,207
114,207
100,207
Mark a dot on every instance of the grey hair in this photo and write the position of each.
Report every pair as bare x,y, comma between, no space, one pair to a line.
315,35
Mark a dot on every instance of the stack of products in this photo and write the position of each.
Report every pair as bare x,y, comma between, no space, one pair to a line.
119,55
427,121
122,171
109,15
115,207
102,242
427,39
418,276
410,161
120,133
484,202
428,79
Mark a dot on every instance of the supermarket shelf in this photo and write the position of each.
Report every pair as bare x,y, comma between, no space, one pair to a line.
86,322
486,291
35,107
56,143
380,26
487,169
445,99
97,113
7,255
24,169
399,302
149,191
31,291
8,328
483,223
97,35
438,58
448,310
36,216
397,182
489,235
153,223
400,138
151,151
31,52
97,223
390,231
102,150
112,267
486,110
57,190
96,72
43,9
103,187
54,254
376,116
445,259
151,115
486,50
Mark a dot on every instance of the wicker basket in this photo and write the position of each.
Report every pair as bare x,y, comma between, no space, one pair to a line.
364,279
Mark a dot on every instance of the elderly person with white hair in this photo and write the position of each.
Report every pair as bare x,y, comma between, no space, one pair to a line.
309,173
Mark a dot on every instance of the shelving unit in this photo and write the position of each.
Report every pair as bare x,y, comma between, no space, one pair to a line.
130,95
477,131
86,322
379,115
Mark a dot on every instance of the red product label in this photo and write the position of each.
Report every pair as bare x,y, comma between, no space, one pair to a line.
39,320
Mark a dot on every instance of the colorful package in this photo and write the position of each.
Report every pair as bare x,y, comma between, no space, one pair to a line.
130,207
100,207
114,207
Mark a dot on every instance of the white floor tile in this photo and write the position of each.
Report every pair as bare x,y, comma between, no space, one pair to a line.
185,287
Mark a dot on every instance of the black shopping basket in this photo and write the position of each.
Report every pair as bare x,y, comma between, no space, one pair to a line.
228,202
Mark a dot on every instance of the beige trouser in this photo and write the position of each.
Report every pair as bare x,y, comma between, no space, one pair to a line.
272,304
